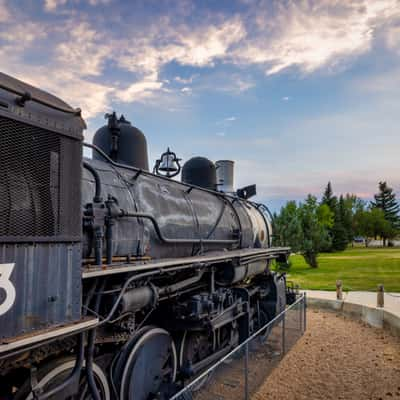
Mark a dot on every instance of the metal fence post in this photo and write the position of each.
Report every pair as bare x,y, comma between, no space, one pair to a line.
246,372
304,311
283,334
301,317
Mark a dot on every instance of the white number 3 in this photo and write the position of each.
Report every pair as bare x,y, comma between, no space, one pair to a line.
5,284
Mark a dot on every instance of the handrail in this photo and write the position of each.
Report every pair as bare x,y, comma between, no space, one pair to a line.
171,240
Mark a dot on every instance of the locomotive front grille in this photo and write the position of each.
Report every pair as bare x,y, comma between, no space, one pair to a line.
39,186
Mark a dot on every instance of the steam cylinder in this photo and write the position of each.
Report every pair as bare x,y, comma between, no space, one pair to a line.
122,142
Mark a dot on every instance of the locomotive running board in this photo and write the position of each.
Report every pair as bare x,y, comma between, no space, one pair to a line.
242,254
37,338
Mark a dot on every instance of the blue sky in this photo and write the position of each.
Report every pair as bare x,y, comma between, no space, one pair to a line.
296,92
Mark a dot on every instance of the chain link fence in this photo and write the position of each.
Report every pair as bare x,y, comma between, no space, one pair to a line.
240,373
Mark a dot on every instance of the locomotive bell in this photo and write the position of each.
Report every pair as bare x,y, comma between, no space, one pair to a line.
168,162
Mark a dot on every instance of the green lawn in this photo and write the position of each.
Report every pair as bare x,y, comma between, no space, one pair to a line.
358,268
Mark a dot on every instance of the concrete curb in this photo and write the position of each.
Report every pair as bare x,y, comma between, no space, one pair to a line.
373,316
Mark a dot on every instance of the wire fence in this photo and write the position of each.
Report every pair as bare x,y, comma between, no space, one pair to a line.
240,373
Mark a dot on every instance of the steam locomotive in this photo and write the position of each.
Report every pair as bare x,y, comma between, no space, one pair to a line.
115,282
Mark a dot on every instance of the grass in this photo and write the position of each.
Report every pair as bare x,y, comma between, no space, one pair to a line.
358,268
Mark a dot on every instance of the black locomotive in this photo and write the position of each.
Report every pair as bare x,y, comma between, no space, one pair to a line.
118,283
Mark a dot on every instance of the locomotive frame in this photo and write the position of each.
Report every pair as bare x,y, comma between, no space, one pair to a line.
127,287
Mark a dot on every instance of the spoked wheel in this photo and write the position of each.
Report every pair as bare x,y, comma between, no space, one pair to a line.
193,348
55,372
264,319
146,368
262,337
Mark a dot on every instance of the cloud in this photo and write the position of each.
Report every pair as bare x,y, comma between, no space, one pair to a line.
220,134
83,49
186,90
393,38
197,47
286,98
4,13
186,81
139,90
313,34
226,123
81,52
241,85
203,47
53,5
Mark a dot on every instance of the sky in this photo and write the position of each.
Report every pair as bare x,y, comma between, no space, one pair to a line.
297,92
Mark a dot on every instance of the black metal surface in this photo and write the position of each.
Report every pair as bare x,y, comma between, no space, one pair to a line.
47,281
166,240
40,208
147,365
31,93
72,377
123,143
200,171
195,221
165,243
39,183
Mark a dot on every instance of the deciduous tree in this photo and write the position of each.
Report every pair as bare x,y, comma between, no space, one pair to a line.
316,220
287,227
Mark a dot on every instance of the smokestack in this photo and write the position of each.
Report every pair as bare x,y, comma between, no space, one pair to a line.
225,178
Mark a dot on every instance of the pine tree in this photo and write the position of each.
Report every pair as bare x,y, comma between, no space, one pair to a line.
331,201
386,201
346,207
328,198
340,236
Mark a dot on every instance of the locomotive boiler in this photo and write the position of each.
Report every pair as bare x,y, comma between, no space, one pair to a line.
117,282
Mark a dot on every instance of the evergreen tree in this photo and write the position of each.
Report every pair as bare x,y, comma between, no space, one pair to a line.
352,204
386,201
304,228
340,235
346,209
328,198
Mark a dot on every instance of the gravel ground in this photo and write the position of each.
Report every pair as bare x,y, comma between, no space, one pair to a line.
337,358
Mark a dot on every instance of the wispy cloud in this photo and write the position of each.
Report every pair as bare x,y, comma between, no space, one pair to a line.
78,49
311,34
393,37
186,90
54,5
186,81
4,13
